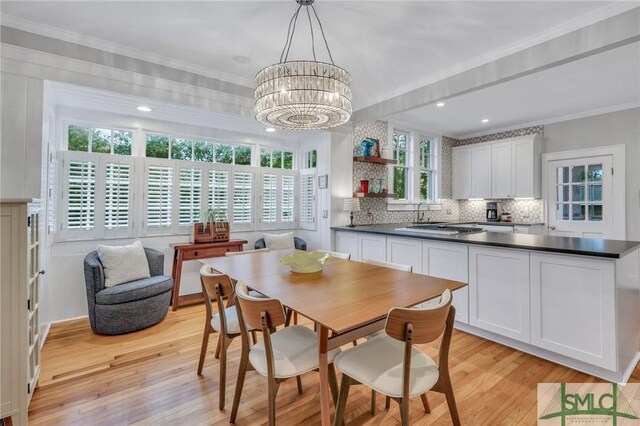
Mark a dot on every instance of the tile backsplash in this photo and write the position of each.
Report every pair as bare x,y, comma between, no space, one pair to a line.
374,210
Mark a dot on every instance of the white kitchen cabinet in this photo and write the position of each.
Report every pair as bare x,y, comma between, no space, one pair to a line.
347,242
461,173
573,307
481,171
499,291
501,170
372,247
497,228
449,261
405,251
526,165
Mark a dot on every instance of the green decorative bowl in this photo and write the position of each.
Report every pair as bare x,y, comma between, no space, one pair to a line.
303,262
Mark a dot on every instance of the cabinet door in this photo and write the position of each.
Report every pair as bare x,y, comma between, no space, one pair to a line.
499,291
502,173
526,165
406,251
481,171
347,242
372,247
461,173
573,307
449,261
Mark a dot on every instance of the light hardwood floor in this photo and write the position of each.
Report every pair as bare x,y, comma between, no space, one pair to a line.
149,377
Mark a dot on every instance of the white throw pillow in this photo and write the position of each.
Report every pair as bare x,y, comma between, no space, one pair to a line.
279,242
123,263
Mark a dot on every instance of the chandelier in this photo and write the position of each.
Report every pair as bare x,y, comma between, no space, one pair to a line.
303,95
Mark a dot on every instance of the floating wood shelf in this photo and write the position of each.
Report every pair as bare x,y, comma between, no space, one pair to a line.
370,195
375,160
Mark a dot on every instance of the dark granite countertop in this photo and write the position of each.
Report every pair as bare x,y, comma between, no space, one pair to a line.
507,223
613,249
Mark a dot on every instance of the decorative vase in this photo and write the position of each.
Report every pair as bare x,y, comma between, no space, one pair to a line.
364,186
367,144
386,152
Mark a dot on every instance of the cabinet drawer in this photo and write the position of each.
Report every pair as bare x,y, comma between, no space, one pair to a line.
208,252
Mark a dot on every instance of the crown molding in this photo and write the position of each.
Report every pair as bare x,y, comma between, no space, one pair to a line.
108,46
559,119
567,27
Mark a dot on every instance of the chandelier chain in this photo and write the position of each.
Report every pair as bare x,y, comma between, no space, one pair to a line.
293,31
322,31
313,41
289,34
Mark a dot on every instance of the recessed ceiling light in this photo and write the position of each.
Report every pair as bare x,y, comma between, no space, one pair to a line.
485,120
269,129
144,108
440,104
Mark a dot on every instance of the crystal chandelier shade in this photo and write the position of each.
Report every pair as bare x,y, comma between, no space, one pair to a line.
303,95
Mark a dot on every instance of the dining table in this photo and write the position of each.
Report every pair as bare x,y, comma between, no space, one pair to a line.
347,300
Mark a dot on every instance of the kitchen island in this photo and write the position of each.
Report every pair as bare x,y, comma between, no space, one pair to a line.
574,301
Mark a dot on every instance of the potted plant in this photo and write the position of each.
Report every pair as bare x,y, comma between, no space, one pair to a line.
213,228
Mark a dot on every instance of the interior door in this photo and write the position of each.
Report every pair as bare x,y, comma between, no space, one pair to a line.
580,197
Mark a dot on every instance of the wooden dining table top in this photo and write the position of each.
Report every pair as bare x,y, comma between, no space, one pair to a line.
343,296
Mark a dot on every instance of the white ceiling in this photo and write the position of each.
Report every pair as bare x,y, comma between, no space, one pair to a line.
599,83
389,47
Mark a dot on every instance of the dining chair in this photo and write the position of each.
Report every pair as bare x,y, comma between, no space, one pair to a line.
396,266
218,287
337,255
281,354
392,365
240,253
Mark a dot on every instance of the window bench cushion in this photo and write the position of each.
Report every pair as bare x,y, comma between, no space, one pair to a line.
134,290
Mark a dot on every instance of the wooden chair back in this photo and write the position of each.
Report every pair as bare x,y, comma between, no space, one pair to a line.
240,253
396,266
419,325
216,287
259,313
337,255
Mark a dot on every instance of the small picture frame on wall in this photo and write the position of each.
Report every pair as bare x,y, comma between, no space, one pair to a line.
323,181
375,149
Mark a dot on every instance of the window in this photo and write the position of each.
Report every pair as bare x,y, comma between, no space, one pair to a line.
190,199
81,194
401,142
288,199
269,198
307,201
426,183
276,159
100,141
242,197
219,192
310,159
117,195
159,146
159,181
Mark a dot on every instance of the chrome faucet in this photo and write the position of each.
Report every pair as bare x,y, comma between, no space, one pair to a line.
418,217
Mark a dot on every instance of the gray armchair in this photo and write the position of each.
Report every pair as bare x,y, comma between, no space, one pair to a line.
299,244
130,306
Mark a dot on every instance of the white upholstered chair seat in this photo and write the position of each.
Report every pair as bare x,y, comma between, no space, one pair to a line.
231,315
295,351
377,363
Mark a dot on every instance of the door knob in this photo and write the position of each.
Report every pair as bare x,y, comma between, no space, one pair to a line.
552,228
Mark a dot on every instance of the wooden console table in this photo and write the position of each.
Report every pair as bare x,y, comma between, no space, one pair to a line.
189,251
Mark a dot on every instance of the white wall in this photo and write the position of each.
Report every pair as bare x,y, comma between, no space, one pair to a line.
616,128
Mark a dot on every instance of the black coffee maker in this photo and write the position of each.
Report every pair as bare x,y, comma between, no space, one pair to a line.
492,211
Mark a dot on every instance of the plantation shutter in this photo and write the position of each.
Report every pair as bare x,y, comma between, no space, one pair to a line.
307,201
81,195
190,199
288,199
117,195
242,197
269,198
159,196
219,191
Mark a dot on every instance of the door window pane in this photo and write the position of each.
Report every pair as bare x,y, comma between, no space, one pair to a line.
563,175
577,192
577,174
563,193
595,173
595,212
578,211
562,211
101,141
595,192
